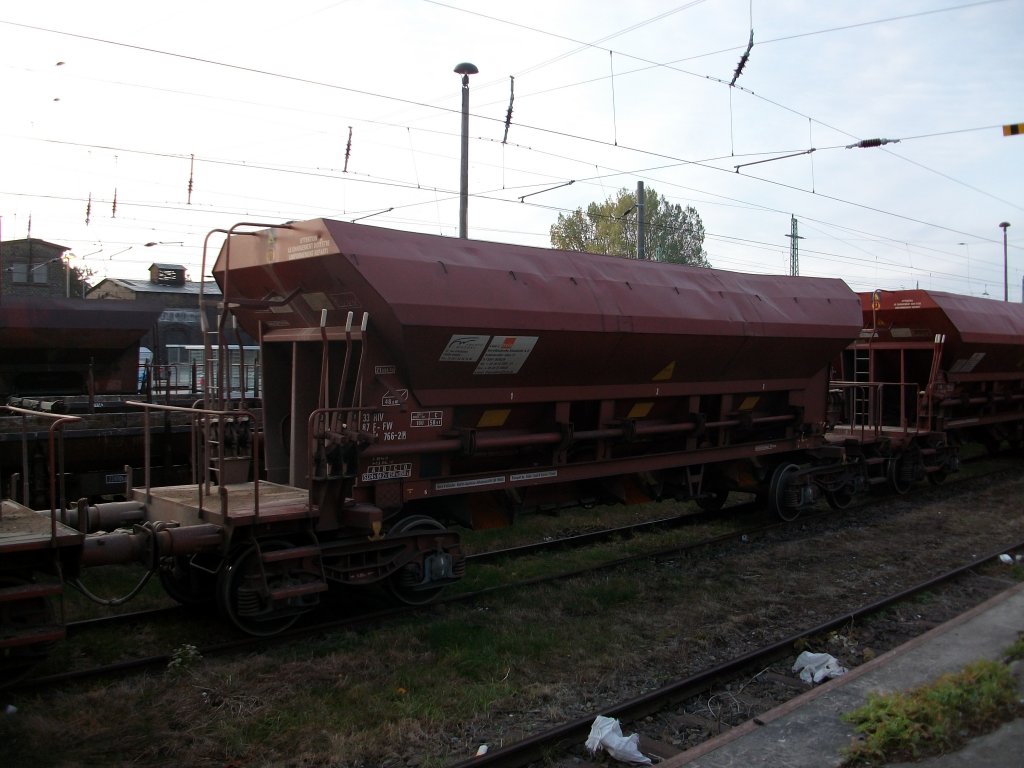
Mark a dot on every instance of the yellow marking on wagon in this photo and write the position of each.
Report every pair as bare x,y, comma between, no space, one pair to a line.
665,373
640,410
493,418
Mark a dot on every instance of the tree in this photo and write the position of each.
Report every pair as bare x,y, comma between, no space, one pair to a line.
78,282
671,233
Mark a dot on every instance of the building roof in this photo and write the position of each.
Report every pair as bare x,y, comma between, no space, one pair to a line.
190,287
17,246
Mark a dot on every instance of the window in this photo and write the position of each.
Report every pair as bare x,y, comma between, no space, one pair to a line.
37,273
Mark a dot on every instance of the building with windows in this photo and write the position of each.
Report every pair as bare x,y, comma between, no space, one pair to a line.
168,286
34,267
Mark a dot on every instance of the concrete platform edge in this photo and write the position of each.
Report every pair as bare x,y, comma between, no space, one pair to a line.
823,689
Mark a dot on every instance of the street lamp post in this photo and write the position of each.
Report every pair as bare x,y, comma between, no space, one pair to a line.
1006,287
465,69
67,272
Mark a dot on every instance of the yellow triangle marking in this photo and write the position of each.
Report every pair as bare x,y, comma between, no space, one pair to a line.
666,373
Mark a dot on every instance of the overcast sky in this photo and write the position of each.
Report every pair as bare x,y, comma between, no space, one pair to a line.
249,105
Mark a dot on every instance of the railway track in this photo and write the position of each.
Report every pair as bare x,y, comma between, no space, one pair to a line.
362,620
567,737
555,544
606,534
576,541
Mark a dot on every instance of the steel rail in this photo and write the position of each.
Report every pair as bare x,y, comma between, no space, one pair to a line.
591,537
352,622
537,746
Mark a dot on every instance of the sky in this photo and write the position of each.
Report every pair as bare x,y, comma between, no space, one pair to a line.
196,116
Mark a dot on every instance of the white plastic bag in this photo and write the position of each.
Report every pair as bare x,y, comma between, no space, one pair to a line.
606,734
815,667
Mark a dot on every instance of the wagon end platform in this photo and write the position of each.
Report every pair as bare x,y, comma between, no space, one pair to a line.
24,529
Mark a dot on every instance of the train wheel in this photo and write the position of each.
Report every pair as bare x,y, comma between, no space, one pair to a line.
402,585
187,585
241,597
713,501
782,498
19,620
938,477
900,475
840,499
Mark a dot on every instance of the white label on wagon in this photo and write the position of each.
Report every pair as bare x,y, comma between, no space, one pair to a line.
426,419
533,475
394,397
968,365
474,483
506,354
464,348
387,472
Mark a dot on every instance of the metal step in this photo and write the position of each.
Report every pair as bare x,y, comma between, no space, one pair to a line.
29,591
298,590
292,553
44,633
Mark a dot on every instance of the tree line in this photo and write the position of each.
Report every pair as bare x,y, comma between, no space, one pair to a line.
672,233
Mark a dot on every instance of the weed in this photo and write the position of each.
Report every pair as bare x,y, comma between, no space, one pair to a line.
183,659
933,718
1016,651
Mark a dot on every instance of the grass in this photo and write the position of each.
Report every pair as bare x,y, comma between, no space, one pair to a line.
1016,651
340,697
430,686
538,526
487,575
935,718
104,646
344,698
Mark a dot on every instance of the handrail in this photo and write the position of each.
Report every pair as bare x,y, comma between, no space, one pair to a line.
204,325
56,425
873,420
198,415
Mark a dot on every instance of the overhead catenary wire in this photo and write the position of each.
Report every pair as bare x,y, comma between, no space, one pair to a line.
401,184
615,143
435,188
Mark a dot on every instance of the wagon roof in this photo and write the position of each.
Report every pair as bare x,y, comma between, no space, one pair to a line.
428,280
970,319
55,322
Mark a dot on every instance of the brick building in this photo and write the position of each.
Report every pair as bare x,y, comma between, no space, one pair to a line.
34,267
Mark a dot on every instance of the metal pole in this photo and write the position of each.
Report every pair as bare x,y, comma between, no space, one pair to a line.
640,221
1006,286
465,69
464,170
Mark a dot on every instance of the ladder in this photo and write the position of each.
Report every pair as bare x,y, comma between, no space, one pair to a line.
293,573
862,376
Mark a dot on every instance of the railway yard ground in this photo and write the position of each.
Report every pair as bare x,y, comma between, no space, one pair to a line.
428,690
